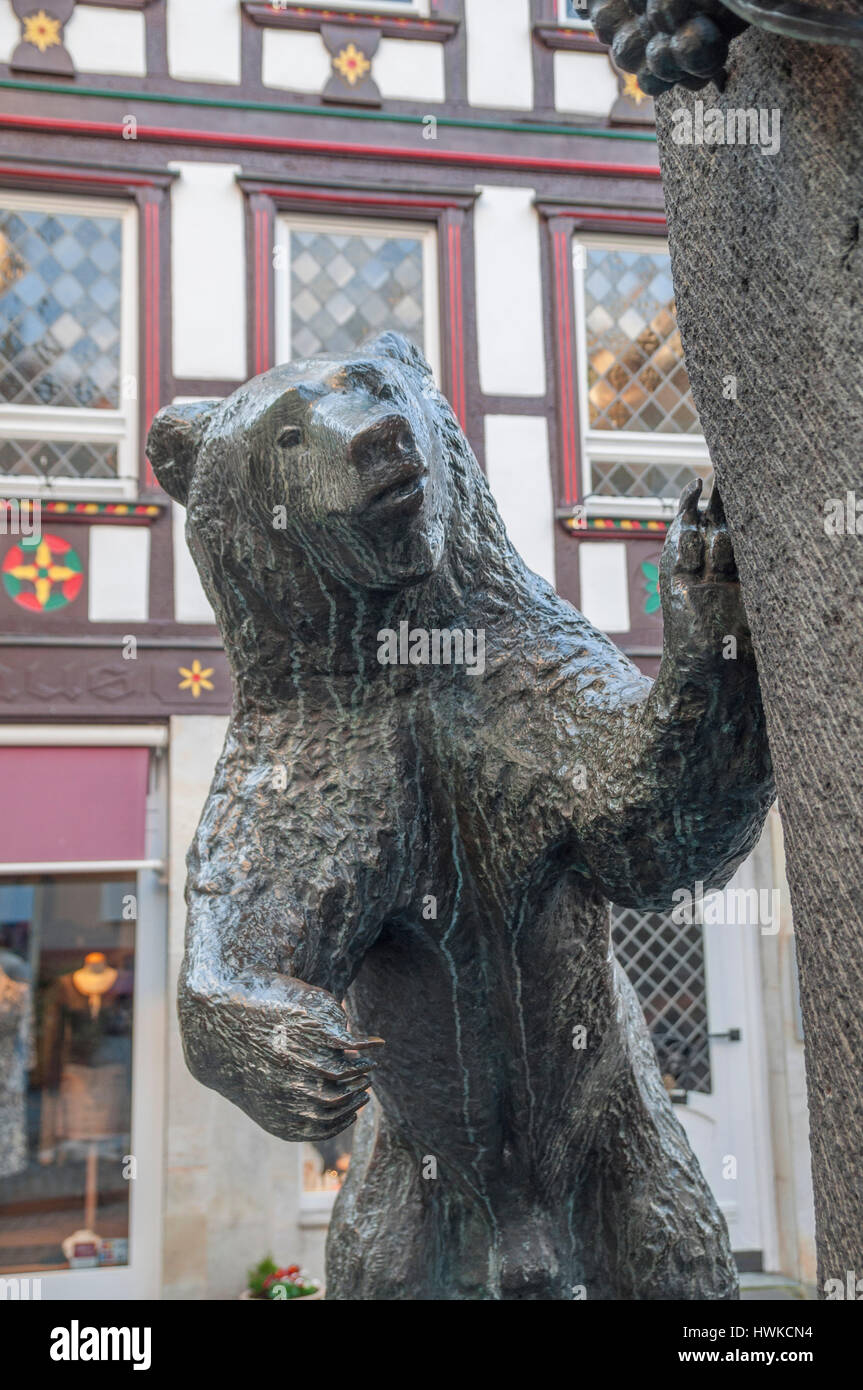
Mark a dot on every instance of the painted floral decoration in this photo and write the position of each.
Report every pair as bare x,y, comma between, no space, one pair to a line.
42,30
196,679
651,585
352,63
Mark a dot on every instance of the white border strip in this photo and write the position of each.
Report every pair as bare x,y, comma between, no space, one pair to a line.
82,866
83,736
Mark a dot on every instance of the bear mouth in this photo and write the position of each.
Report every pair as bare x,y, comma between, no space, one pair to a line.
405,493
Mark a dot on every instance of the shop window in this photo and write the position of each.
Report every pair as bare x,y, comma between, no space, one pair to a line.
67,967
341,282
68,393
324,1169
641,437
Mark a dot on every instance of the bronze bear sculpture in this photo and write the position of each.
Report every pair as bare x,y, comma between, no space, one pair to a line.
436,844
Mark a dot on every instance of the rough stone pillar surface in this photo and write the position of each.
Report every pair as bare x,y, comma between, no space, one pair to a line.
767,263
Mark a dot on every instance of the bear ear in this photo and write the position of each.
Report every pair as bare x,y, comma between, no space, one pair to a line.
392,344
173,443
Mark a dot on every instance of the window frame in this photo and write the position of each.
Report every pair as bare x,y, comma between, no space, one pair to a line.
119,427
630,446
346,224
420,8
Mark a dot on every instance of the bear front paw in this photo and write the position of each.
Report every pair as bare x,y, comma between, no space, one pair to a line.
701,602
704,546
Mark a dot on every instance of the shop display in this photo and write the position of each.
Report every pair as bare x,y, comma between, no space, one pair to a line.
14,1052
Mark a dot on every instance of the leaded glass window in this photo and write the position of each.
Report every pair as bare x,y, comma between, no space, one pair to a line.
641,437
344,282
68,390
60,309
665,965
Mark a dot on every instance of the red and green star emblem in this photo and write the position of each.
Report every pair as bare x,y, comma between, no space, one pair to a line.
42,574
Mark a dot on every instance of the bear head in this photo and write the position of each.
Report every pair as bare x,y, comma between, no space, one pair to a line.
340,458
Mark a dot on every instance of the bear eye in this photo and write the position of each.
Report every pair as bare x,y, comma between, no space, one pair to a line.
290,437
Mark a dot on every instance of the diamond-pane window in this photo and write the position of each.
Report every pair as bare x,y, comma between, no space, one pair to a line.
641,437
665,965
612,478
348,281
68,459
345,288
68,394
635,371
60,292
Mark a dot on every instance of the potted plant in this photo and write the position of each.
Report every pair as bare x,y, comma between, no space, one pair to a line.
277,1283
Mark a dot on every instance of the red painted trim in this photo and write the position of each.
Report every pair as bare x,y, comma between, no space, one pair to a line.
564,359
266,237
570,363
648,219
460,328
456,337
280,191
152,288
72,175
258,313
330,147
262,293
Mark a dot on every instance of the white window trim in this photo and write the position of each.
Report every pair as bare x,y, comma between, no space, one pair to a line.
629,446
47,422
347,225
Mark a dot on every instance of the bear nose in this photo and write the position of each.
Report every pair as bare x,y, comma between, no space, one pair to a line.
386,440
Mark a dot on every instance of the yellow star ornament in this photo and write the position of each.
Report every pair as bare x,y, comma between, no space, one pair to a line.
631,88
352,63
196,679
42,30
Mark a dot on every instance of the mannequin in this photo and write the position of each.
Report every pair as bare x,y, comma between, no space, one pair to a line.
86,1071
14,1036
86,1058
95,978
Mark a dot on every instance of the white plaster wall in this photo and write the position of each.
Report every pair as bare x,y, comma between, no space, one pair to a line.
499,64
204,40
294,60
409,71
604,584
584,83
516,459
107,41
119,574
208,272
191,604
231,1190
509,293
10,31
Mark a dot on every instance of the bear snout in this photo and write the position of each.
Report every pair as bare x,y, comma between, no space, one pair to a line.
386,443
389,463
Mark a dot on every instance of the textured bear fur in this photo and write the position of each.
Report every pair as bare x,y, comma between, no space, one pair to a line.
438,846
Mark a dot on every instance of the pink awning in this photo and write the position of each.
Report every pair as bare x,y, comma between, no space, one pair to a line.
72,804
